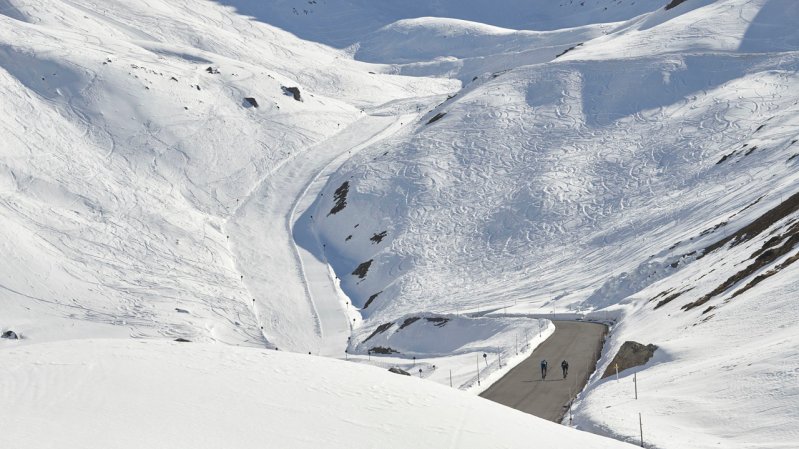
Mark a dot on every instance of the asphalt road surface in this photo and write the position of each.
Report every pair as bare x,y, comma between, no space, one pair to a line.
580,344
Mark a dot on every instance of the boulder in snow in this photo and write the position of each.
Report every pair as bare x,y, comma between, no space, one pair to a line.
251,101
630,355
11,335
292,92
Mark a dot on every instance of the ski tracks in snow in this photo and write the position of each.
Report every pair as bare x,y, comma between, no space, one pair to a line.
275,269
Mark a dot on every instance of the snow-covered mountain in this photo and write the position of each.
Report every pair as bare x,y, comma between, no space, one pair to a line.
624,177
418,177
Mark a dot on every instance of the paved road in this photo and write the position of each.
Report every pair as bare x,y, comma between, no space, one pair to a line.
522,388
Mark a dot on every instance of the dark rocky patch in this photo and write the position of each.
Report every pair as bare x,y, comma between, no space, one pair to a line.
438,321
371,298
349,237
762,277
707,318
340,198
212,70
496,75
568,50
630,355
759,225
377,238
182,340
437,117
764,256
383,350
750,205
671,298
408,322
792,157
724,158
362,269
292,92
181,310
380,329
751,150
768,244
251,101
401,371
760,127
674,3
11,335
661,294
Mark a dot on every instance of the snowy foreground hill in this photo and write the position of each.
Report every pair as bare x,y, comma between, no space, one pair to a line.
133,394
403,184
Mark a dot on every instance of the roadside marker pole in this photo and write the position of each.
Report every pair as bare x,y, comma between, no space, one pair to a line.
617,372
635,381
571,400
450,378
500,360
478,370
641,429
571,418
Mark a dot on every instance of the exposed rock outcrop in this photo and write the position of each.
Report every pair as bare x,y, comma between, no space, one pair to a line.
630,355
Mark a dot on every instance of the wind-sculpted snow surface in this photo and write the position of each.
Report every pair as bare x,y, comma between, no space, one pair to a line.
540,171
598,183
128,145
611,158
181,395
342,23
457,39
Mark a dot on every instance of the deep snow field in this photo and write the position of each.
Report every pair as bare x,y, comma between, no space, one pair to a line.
446,177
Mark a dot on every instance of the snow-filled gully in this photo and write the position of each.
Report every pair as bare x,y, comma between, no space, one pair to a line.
322,321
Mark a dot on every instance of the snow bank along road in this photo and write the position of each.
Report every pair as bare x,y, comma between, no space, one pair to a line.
523,389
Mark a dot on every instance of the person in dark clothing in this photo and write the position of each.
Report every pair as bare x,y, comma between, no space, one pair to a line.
544,365
565,366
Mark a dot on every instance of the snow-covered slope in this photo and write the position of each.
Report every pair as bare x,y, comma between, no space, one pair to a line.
595,183
128,147
456,39
342,23
608,157
124,394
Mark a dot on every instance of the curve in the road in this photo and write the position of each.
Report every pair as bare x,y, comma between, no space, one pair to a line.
579,343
